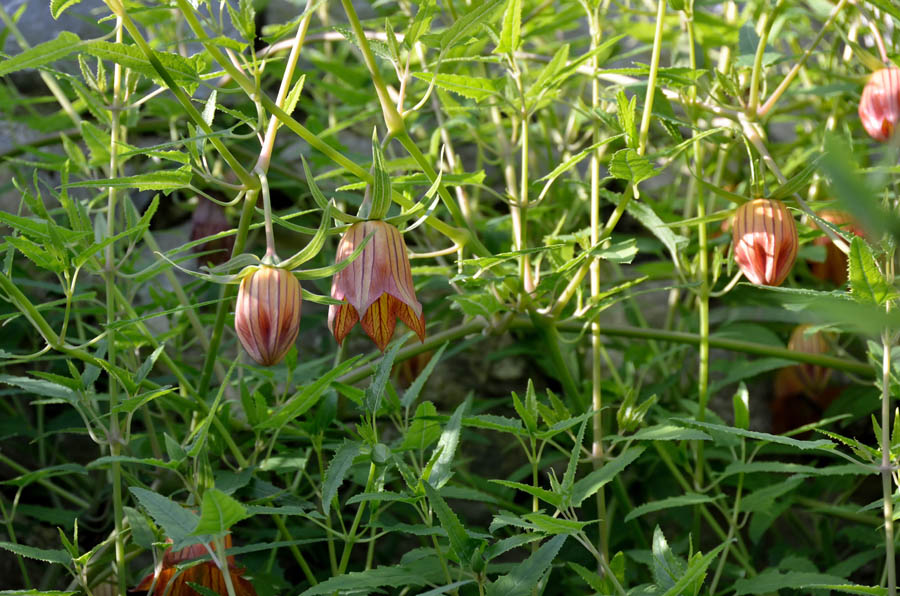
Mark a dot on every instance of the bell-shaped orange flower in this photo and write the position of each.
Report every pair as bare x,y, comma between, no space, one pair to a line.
267,314
834,267
377,285
879,106
765,241
169,582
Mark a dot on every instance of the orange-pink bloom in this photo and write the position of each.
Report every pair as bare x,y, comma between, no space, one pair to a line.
267,314
377,284
171,583
765,241
879,106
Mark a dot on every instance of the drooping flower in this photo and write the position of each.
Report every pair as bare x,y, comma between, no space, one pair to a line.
169,582
209,219
765,241
267,314
377,286
834,267
802,392
812,377
879,106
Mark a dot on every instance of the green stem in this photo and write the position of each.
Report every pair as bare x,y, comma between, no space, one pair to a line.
755,75
298,556
351,535
703,291
887,487
789,78
550,333
392,118
115,432
243,175
651,81
458,236
225,295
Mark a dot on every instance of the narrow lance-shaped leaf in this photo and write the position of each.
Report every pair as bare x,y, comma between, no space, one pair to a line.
337,471
42,54
867,284
446,447
525,575
460,542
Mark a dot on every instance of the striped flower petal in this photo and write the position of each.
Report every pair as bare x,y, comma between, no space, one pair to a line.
765,241
378,284
168,581
267,314
879,106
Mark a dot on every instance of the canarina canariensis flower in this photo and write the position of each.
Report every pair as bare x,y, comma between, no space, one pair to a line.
765,241
267,314
879,106
377,287
169,582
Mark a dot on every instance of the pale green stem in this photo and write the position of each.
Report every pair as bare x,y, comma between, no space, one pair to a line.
115,432
789,78
888,339
298,556
651,80
594,265
703,291
460,236
732,527
887,488
765,28
265,154
350,539
243,175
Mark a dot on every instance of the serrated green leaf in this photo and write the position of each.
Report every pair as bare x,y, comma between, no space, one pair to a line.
594,481
218,512
512,26
627,164
164,180
368,581
669,503
867,283
772,580
476,88
177,522
41,54
460,542
468,23
337,471
60,557
57,7
446,447
525,575
184,71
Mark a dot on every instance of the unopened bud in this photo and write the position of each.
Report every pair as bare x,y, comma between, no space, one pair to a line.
267,314
879,106
812,378
765,241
